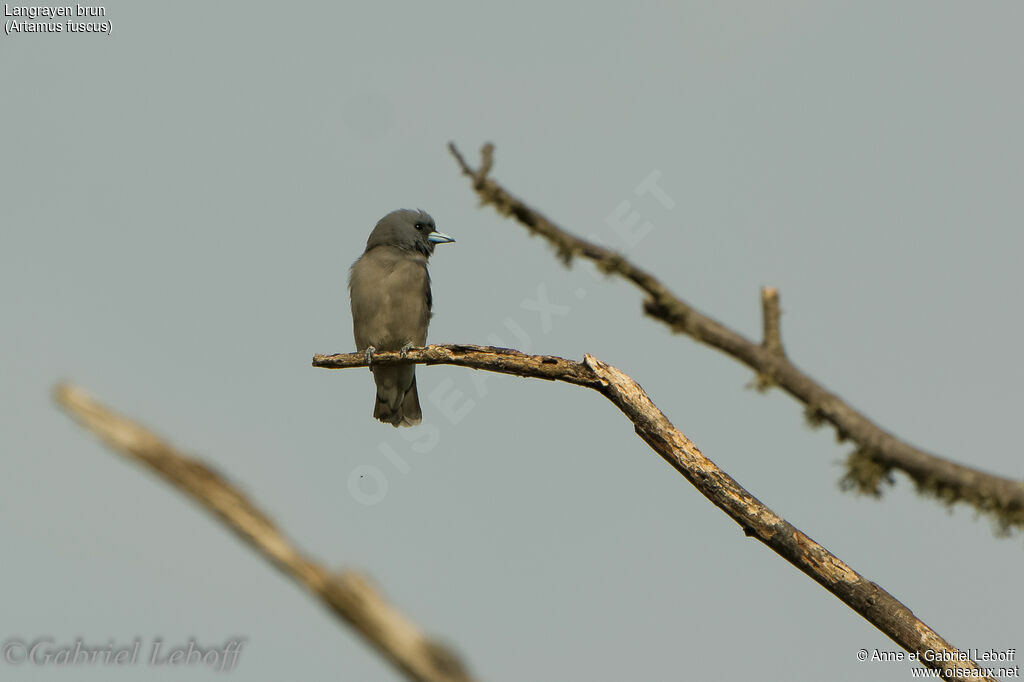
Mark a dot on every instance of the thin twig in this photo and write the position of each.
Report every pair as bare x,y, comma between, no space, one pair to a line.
879,607
771,312
878,452
349,594
772,341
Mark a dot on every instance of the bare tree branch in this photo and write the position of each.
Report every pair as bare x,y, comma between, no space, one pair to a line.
879,607
348,594
878,452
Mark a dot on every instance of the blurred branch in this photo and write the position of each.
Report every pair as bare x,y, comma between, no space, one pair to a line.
877,453
347,593
879,607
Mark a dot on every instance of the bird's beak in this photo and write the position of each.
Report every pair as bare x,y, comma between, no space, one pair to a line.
439,238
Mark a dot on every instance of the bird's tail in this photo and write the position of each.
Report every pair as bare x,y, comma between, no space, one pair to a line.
407,413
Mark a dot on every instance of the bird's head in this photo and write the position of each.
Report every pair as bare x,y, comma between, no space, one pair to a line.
407,229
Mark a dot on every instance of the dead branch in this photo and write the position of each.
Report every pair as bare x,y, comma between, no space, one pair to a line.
878,452
349,594
865,597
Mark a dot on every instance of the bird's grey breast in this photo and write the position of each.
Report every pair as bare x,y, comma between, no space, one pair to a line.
390,292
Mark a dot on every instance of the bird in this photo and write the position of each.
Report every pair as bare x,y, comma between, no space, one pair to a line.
389,288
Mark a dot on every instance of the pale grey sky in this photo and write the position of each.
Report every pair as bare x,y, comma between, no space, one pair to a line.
182,200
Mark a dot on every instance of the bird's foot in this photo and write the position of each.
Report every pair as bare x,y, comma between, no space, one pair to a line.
404,352
368,353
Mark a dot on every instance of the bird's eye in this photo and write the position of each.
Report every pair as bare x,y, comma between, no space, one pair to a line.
419,226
